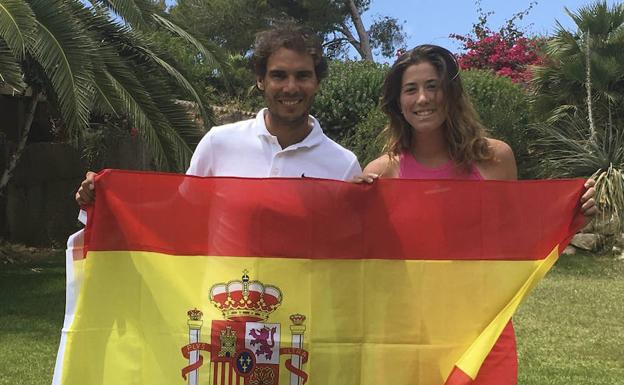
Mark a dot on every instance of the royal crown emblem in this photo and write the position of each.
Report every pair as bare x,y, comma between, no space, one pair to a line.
195,315
245,300
244,348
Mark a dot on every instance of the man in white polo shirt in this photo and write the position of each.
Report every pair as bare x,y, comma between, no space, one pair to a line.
283,140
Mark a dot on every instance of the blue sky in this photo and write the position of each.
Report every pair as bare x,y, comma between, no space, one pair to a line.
431,21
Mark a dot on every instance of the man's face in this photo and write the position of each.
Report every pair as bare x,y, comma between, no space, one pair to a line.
289,86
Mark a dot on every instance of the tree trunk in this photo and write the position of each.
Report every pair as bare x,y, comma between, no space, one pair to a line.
364,47
8,171
588,87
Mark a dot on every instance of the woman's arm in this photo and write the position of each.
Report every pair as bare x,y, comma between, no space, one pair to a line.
384,167
502,166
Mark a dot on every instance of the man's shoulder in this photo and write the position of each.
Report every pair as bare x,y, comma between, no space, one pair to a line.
241,127
328,144
226,135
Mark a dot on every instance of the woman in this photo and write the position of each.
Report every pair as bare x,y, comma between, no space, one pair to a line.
434,133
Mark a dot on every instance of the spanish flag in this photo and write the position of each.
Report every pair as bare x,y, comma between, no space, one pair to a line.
240,281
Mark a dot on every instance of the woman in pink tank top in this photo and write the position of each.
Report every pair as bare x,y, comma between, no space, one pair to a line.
434,133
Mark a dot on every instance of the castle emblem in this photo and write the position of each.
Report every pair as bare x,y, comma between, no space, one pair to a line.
245,349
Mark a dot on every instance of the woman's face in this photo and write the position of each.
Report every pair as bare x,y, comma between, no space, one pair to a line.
422,100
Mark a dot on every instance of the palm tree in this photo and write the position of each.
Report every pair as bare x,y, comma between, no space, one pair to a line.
560,83
90,58
583,90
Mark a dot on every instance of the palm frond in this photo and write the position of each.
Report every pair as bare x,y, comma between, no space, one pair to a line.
64,51
610,197
106,98
212,55
10,69
208,55
141,90
561,112
17,26
177,127
566,151
152,111
562,43
180,129
175,74
131,11
132,44
140,110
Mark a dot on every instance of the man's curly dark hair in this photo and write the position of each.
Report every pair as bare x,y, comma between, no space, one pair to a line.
289,36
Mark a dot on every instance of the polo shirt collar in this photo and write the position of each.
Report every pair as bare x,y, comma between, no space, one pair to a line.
314,137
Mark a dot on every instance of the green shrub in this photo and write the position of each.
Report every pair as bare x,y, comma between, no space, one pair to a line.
566,148
347,96
504,109
366,140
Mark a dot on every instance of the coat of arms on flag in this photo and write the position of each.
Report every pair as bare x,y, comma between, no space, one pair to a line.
245,347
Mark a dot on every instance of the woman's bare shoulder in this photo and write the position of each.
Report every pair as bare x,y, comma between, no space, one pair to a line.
384,166
502,165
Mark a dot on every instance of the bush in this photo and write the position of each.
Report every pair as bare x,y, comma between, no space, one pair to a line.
566,148
504,109
366,140
347,96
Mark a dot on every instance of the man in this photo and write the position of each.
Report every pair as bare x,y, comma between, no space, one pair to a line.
283,140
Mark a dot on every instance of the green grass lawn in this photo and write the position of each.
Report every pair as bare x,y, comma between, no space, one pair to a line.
570,330
32,305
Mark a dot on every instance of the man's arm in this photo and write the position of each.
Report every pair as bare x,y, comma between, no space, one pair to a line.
86,192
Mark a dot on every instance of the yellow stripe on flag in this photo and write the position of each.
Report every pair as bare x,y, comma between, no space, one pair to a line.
472,359
368,316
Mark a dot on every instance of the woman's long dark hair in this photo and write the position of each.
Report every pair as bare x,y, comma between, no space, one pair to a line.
464,133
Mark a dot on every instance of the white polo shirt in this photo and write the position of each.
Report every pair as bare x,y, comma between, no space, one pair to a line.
247,149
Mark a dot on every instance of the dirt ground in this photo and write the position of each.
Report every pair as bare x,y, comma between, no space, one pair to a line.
11,254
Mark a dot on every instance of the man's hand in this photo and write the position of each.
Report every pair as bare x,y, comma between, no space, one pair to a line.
588,204
86,192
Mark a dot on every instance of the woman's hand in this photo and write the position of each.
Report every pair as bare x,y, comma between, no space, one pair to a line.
368,178
588,203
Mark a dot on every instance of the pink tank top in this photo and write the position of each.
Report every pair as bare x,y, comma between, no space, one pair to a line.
501,365
409,168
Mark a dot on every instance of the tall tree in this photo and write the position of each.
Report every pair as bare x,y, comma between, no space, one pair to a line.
86,62
233,23
341,22
580,89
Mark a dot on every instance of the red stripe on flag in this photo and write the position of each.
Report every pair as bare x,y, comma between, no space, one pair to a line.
176,214
457,377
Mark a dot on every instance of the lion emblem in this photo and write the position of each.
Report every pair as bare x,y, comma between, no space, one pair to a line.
265,339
